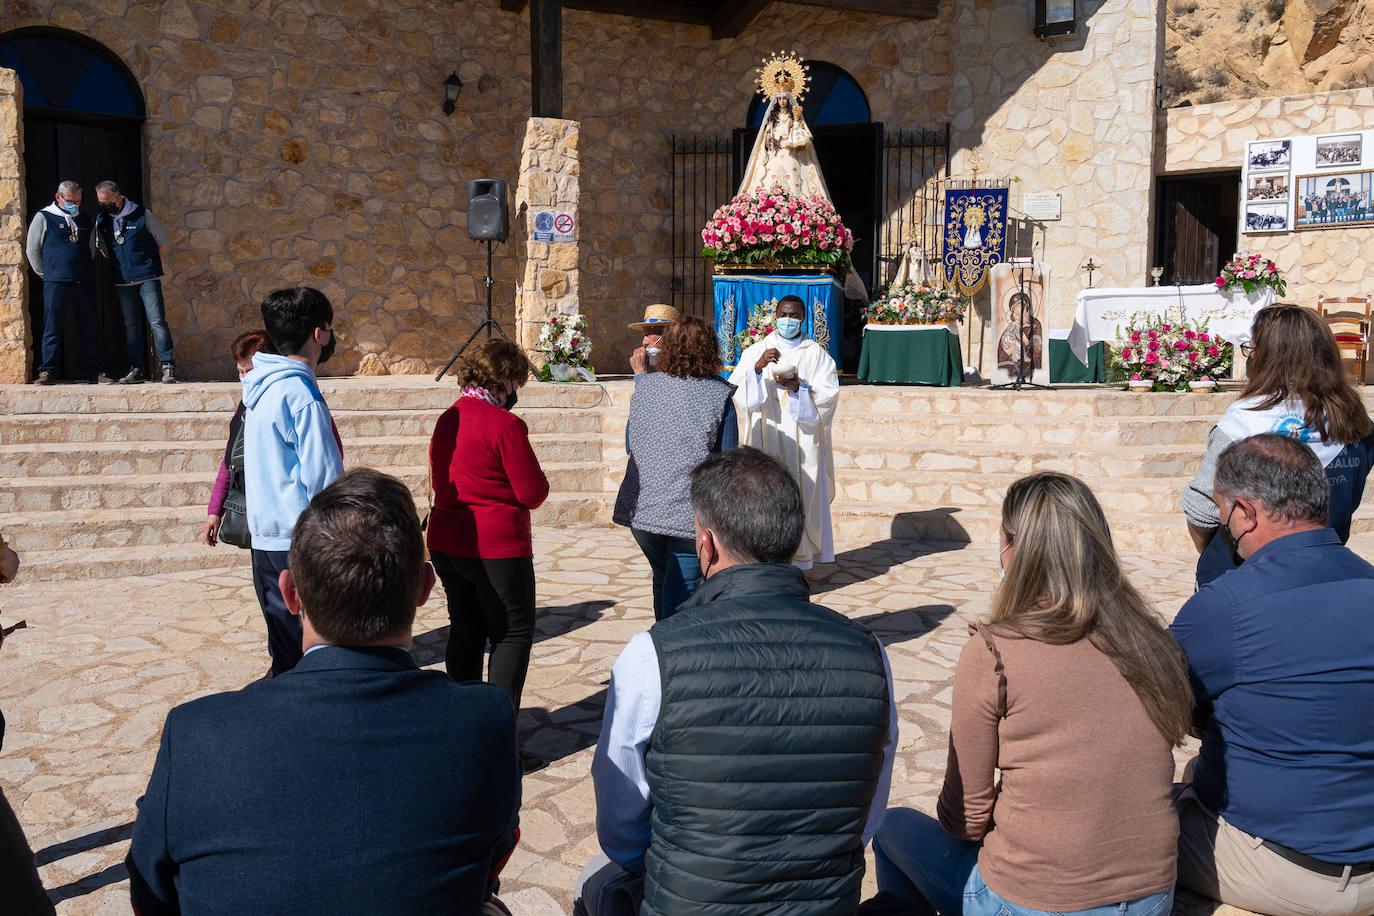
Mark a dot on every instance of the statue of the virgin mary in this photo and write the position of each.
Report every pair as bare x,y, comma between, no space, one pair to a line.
783,151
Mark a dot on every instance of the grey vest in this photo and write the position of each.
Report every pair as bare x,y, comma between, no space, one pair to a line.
674,423
767,751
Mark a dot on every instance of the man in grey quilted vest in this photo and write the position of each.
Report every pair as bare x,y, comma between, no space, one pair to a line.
746,750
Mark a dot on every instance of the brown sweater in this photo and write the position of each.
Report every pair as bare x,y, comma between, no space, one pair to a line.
1083,815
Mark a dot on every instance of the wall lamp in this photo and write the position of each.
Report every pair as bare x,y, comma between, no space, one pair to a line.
452,86
1055,17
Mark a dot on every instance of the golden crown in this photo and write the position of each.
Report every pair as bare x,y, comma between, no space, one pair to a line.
783,72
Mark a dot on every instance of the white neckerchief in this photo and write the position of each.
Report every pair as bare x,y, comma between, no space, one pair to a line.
119,217
55,210
1243,419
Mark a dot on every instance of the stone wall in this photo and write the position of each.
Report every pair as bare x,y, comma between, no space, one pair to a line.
15,360
1072,115
1209,138
548,181
304,143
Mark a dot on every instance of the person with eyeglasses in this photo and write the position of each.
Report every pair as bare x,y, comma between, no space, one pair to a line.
61,249
1295,387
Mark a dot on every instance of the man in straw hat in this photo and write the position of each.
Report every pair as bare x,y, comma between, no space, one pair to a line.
656,318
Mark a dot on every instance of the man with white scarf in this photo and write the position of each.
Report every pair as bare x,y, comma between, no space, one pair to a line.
135,243
60,247
797,434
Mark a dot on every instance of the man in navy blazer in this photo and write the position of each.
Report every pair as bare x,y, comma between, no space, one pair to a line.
354,783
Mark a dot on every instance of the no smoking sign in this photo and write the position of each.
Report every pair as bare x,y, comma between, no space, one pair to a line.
557,226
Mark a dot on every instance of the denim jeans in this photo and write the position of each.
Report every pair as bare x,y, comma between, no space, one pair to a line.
57,297
677,572
137,302
920,863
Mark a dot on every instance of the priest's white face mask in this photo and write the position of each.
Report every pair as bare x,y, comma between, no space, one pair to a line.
789,328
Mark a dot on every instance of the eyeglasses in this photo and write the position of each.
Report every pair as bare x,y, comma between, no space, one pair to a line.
1246,350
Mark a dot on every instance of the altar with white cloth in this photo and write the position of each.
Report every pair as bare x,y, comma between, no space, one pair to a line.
1104,313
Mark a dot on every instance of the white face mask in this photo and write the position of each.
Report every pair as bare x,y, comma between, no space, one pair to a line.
788,328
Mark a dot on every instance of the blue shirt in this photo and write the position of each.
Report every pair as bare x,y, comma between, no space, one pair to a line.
1282,650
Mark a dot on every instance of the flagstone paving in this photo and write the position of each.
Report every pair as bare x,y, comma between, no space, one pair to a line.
86,687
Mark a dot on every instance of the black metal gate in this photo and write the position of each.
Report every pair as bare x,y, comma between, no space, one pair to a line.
913,164
706,171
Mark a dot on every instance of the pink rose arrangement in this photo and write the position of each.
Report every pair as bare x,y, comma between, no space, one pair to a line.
1169,354
770,223
915,303
1250,272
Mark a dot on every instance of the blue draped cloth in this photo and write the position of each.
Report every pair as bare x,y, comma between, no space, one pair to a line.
737,294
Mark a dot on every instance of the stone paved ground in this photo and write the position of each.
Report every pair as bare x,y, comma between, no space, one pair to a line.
86,688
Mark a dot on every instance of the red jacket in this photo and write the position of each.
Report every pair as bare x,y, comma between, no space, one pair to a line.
486,481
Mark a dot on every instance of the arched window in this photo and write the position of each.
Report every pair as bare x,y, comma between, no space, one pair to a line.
832,97
66,71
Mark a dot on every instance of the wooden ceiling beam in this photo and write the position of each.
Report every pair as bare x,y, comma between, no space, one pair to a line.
734,17
906,9
662,10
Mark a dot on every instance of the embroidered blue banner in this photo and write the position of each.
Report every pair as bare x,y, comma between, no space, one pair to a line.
975,236
737,294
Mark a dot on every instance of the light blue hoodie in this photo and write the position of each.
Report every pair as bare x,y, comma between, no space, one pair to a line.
289,450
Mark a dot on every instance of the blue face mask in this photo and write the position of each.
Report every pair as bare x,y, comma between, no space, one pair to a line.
71,209
789,328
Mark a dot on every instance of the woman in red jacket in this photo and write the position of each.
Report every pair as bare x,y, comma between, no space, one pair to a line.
486,480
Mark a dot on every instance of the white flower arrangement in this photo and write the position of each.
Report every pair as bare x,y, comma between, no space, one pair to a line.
565,340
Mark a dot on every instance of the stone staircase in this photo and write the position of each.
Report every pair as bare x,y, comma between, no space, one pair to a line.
112,481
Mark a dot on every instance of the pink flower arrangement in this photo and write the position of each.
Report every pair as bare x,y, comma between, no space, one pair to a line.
1250,272
773,224
1173,354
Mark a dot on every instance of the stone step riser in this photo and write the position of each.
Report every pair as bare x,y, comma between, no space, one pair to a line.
181,527
205,457
113,493
214,428
1146,498
1089,432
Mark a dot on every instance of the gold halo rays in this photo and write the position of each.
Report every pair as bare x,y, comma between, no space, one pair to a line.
783,72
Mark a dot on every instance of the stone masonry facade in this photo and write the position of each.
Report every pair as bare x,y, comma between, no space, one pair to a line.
305,144
15,335
549,182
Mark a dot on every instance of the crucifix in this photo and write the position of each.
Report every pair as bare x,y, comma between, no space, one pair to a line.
1090,267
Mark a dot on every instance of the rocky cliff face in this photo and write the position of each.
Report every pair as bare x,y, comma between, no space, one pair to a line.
1217,50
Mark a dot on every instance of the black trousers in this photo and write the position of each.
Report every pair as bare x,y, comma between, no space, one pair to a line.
489,601
283,627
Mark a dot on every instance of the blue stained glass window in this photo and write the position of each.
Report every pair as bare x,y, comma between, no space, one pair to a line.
72,74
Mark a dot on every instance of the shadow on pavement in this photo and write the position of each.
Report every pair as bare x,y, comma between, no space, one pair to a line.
112,875
553,734
549,623
49,854
873,560
899,626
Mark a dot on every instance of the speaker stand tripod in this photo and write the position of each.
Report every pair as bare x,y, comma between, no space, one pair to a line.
486,325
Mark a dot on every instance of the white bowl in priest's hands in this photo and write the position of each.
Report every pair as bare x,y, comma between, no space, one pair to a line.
784,370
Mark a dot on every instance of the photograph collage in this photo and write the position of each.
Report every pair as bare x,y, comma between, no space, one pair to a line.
1307,183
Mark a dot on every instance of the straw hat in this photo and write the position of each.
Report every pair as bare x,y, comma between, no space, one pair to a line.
655,316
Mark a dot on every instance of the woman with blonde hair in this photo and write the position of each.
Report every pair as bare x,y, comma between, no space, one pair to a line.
1077,694
1296,387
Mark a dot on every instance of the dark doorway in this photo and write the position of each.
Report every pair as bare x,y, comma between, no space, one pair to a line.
83,121
1195,226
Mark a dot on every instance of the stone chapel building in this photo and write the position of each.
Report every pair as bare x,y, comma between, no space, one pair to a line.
306,142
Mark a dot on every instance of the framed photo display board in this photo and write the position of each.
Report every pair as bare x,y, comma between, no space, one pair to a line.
1318,181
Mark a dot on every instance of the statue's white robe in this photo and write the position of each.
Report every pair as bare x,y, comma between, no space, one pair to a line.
795,429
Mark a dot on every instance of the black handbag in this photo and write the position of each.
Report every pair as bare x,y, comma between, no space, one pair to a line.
233,520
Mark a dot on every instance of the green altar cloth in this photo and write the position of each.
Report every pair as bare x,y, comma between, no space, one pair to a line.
1066,369
911,355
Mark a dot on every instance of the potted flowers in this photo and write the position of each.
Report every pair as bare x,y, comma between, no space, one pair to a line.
1249,273
1164,354
1204,385
565,340
915,303
771,227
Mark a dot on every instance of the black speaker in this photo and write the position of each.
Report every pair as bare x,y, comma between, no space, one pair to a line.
487,217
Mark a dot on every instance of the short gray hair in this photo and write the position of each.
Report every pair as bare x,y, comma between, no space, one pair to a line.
68,188
1280,473
752,504
107,186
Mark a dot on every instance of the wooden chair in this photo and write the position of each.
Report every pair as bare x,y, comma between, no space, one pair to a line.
1348,318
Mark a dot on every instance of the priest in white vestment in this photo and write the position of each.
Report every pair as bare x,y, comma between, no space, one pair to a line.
790,418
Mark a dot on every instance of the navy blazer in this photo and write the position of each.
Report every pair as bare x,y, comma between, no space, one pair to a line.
354,783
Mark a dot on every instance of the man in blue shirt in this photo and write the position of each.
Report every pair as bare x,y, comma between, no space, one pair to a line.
1276,814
